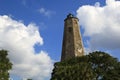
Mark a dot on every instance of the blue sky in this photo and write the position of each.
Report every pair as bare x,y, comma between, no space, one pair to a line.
51,28
48,17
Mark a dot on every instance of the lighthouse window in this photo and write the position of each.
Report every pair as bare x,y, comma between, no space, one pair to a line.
70,29
75,21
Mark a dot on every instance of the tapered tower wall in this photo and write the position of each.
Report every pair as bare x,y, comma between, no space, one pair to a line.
72,41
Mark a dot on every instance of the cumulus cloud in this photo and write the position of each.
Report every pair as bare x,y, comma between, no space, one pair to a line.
101,24
46,12
19,40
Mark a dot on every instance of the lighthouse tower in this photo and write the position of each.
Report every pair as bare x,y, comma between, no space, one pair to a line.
72,42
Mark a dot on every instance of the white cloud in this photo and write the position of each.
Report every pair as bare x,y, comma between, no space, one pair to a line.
97,4
101,24
45,12
19,40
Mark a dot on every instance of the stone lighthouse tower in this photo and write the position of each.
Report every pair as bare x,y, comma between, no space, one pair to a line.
72,43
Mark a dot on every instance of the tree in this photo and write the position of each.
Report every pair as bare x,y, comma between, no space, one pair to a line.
95,66
104,66
5,65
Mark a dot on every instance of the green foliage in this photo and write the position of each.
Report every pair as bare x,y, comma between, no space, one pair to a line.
95,66
5,65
